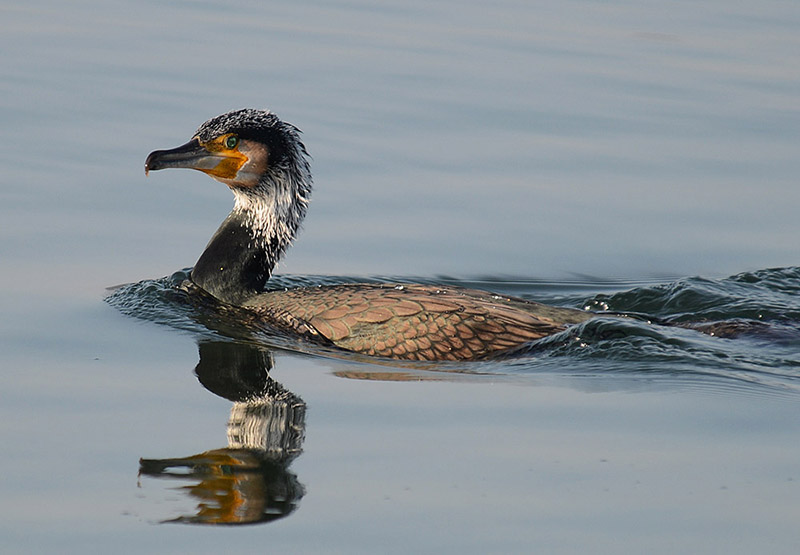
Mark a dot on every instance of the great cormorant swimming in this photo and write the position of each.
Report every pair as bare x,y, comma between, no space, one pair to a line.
265,164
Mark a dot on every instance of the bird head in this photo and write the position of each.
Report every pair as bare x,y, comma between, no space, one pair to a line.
242,149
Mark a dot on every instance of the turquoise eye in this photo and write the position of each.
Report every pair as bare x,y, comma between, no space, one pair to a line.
232,141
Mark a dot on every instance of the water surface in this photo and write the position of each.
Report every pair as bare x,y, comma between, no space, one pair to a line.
615,156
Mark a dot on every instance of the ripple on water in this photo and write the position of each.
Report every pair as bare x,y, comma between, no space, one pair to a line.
740,333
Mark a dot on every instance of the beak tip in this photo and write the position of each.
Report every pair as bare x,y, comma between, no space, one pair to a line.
151,163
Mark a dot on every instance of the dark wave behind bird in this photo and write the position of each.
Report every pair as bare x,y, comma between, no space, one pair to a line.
738,332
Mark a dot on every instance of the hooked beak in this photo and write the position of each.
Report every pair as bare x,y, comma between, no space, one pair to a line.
196,156
191,155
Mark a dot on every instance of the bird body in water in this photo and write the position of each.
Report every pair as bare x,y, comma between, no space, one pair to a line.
265,164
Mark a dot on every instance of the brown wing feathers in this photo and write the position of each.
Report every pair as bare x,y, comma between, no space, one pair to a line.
411,322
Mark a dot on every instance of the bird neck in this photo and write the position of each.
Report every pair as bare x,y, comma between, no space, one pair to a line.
241,255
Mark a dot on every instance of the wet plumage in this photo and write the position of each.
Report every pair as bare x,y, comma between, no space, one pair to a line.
415,322
265,164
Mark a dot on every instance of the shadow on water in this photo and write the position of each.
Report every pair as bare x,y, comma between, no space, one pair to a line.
248,481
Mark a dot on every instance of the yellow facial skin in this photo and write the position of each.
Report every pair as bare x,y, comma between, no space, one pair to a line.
234,161
231,159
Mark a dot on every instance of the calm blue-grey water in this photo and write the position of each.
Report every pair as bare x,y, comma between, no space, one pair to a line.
633,157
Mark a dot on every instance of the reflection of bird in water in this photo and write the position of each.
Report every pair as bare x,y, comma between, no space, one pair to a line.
263,161
249,481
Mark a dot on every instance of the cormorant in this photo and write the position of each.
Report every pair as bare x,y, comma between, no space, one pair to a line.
265,164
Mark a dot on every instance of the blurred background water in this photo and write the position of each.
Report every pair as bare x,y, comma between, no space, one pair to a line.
572,152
